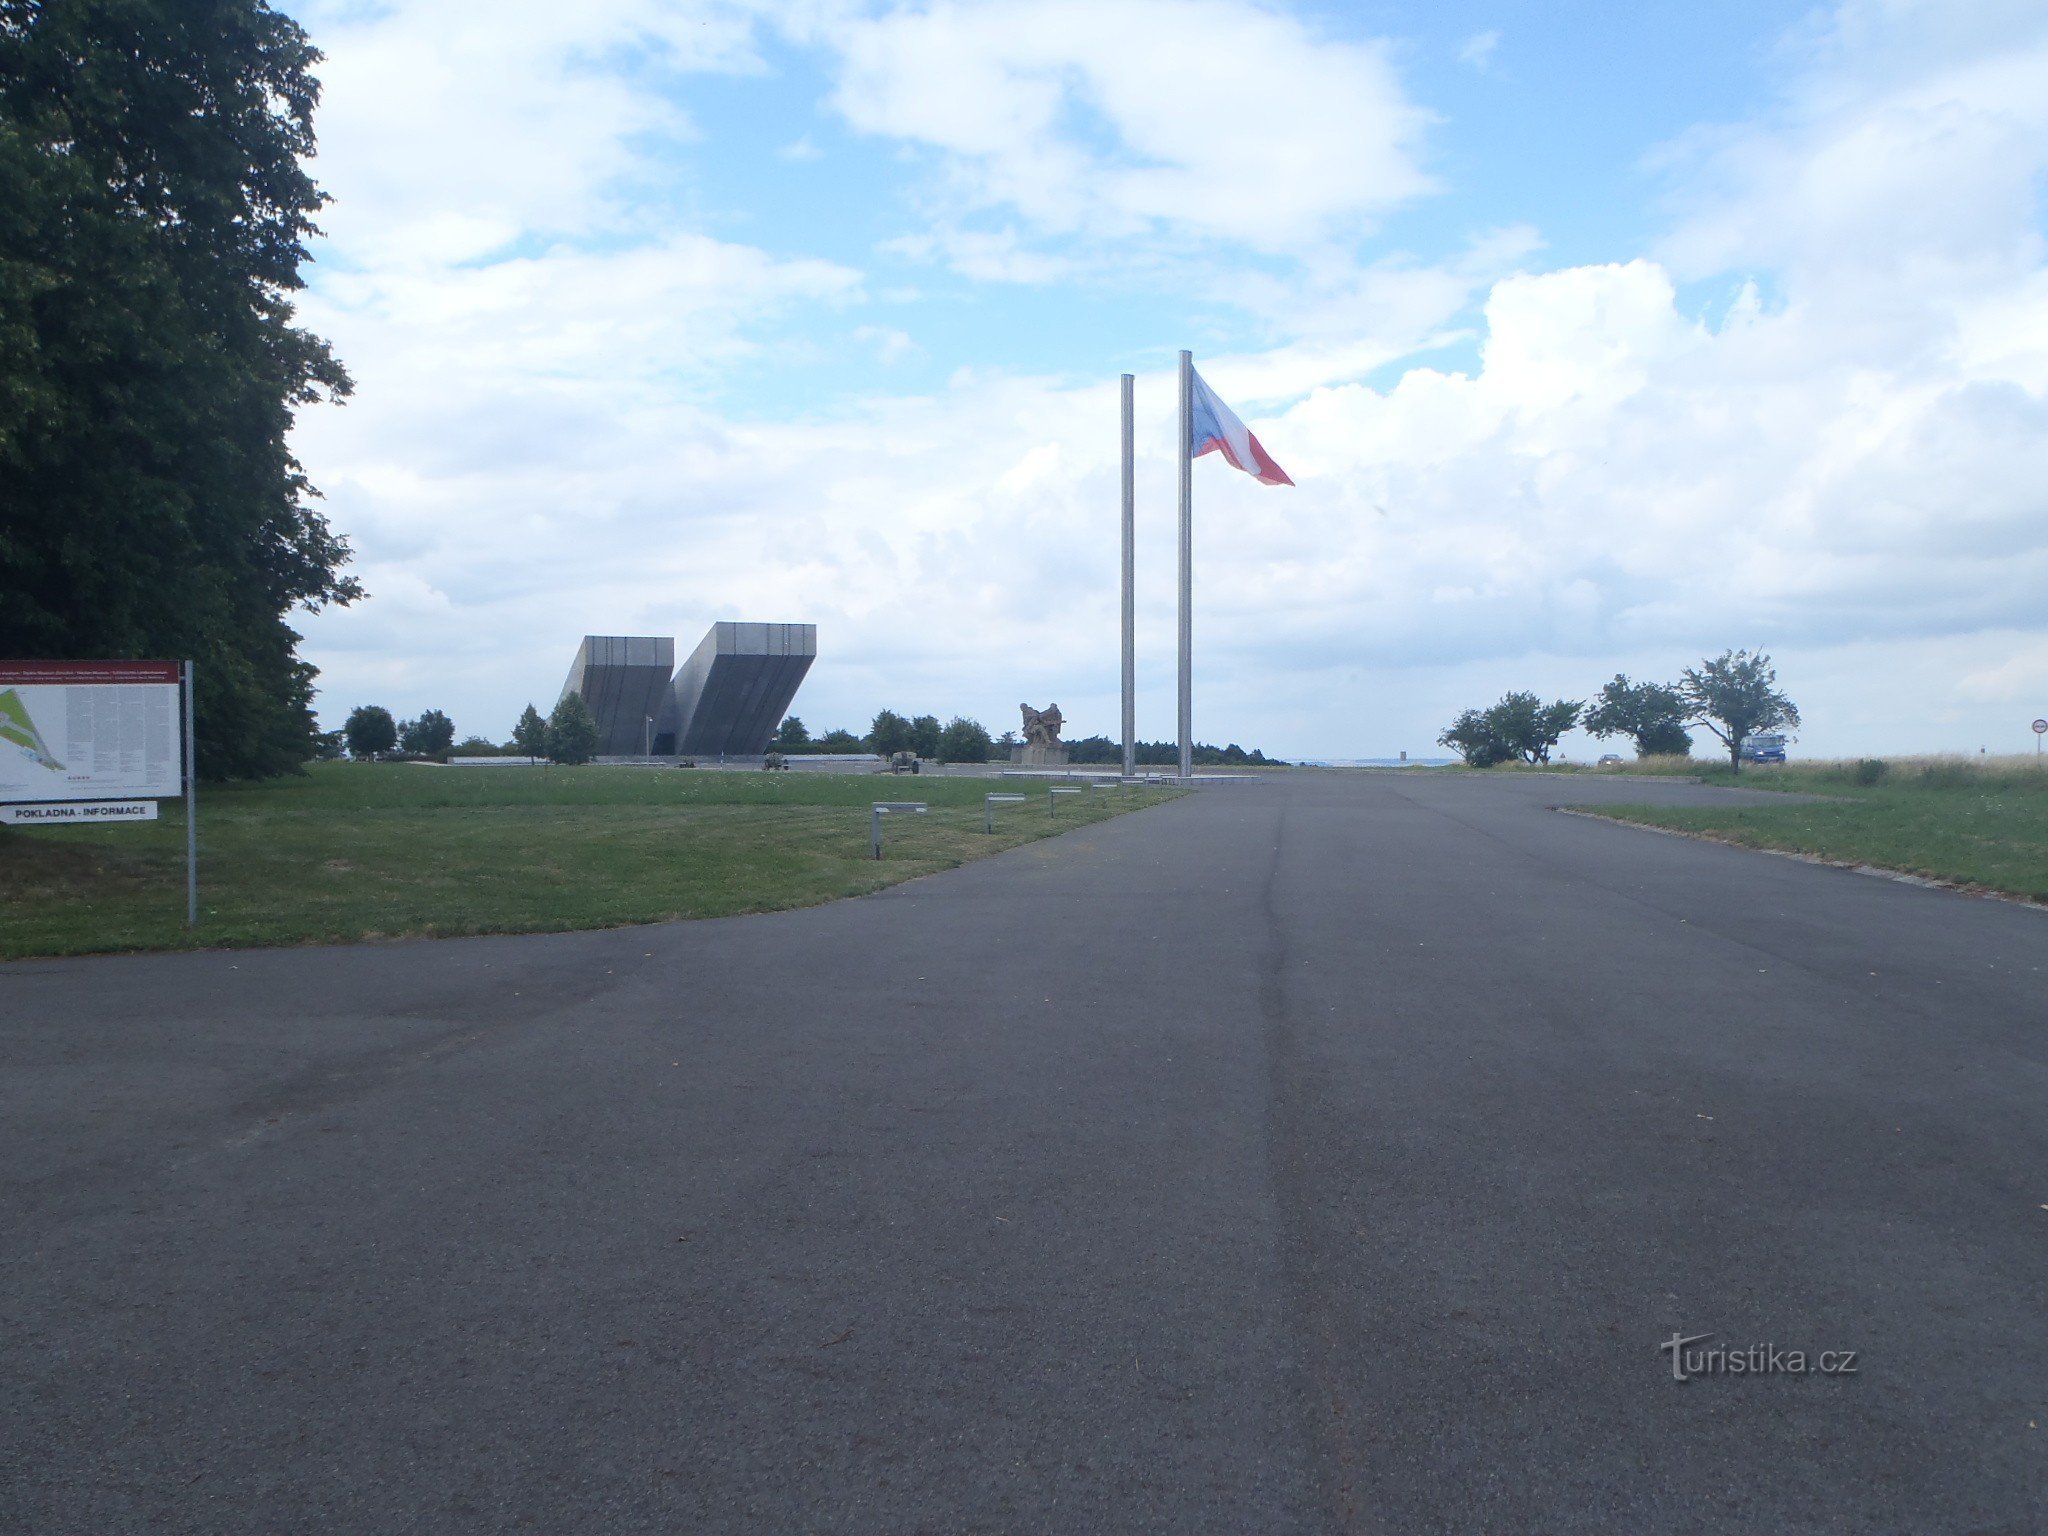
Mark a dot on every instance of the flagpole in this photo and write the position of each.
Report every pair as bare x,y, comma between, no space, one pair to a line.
1130,579
1187,566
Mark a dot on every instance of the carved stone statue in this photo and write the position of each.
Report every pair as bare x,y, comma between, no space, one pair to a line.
1042,726
1041,747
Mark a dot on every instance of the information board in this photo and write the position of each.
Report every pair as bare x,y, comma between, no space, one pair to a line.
89,730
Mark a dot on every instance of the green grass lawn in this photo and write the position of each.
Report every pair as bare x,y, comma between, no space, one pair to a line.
1973,821
360,851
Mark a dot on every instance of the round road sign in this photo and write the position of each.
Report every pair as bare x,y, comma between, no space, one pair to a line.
2040,727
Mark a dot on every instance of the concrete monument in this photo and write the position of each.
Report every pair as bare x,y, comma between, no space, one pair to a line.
726,700
1041,747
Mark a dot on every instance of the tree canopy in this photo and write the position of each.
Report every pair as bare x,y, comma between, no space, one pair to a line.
530,735
433,732
154,209
572,731
964,741
1736,695
369,731
889,734
1652,715
1519,726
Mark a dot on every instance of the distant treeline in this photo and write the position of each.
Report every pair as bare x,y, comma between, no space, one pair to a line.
1166,754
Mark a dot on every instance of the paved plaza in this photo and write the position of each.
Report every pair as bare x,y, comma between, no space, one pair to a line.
1326,1153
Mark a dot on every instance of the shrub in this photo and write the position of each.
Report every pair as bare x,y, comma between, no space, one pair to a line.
1870,770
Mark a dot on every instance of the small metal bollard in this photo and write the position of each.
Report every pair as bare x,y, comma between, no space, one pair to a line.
892,808
1052,795
988,808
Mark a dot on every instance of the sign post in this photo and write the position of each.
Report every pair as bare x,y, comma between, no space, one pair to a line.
96,741
191,808
2040,730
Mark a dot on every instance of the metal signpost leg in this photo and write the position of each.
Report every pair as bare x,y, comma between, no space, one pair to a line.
988,809
191,810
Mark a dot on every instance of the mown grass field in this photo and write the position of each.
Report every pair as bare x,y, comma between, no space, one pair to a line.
1978,822
367,851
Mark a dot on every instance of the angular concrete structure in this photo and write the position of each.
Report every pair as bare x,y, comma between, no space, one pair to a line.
624,679
735,688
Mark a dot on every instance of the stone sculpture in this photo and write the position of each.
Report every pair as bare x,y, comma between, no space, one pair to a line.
1041,747
1042,726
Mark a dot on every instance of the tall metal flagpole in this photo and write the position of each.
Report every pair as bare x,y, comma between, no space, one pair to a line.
1130,605
1187,567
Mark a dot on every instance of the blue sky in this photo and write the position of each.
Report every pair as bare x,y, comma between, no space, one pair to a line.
1598,338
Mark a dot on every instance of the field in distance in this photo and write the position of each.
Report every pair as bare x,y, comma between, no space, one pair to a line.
368,851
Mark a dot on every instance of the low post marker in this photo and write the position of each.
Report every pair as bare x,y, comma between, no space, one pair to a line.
892,808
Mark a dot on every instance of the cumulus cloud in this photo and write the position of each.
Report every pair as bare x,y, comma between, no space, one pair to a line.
1808,418
1479,48
1216,119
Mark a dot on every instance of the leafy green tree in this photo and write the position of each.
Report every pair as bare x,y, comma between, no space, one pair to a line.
1736,695
1529,727
964,741
839,741
572,730
1650,714
889,734
369,730
924,735
792,736
1472,737
530,735
154,209
432,733
1520,725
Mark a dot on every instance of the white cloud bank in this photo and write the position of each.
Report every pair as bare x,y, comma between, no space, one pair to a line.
1846,472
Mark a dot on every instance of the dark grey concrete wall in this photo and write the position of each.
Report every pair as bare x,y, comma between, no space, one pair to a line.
735,688
624,679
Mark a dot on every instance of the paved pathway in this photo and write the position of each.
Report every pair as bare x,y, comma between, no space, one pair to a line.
1328,1153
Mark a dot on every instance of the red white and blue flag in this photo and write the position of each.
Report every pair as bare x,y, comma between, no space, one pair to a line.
1213,427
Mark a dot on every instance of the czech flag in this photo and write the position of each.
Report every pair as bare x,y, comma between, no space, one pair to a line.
1214,427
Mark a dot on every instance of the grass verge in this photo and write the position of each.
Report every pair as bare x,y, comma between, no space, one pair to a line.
1980,823
372,851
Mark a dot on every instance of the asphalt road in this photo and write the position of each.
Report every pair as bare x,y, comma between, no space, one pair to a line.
1330,1153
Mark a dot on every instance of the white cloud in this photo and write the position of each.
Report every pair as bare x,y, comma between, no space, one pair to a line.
1213,118
891,345
448,131
1844,468
1479,49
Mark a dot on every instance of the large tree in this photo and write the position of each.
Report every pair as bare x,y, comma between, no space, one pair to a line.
154,210
889,734
572,731
1520,725
530,735
1651,715
964,741
369,732
1736,695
